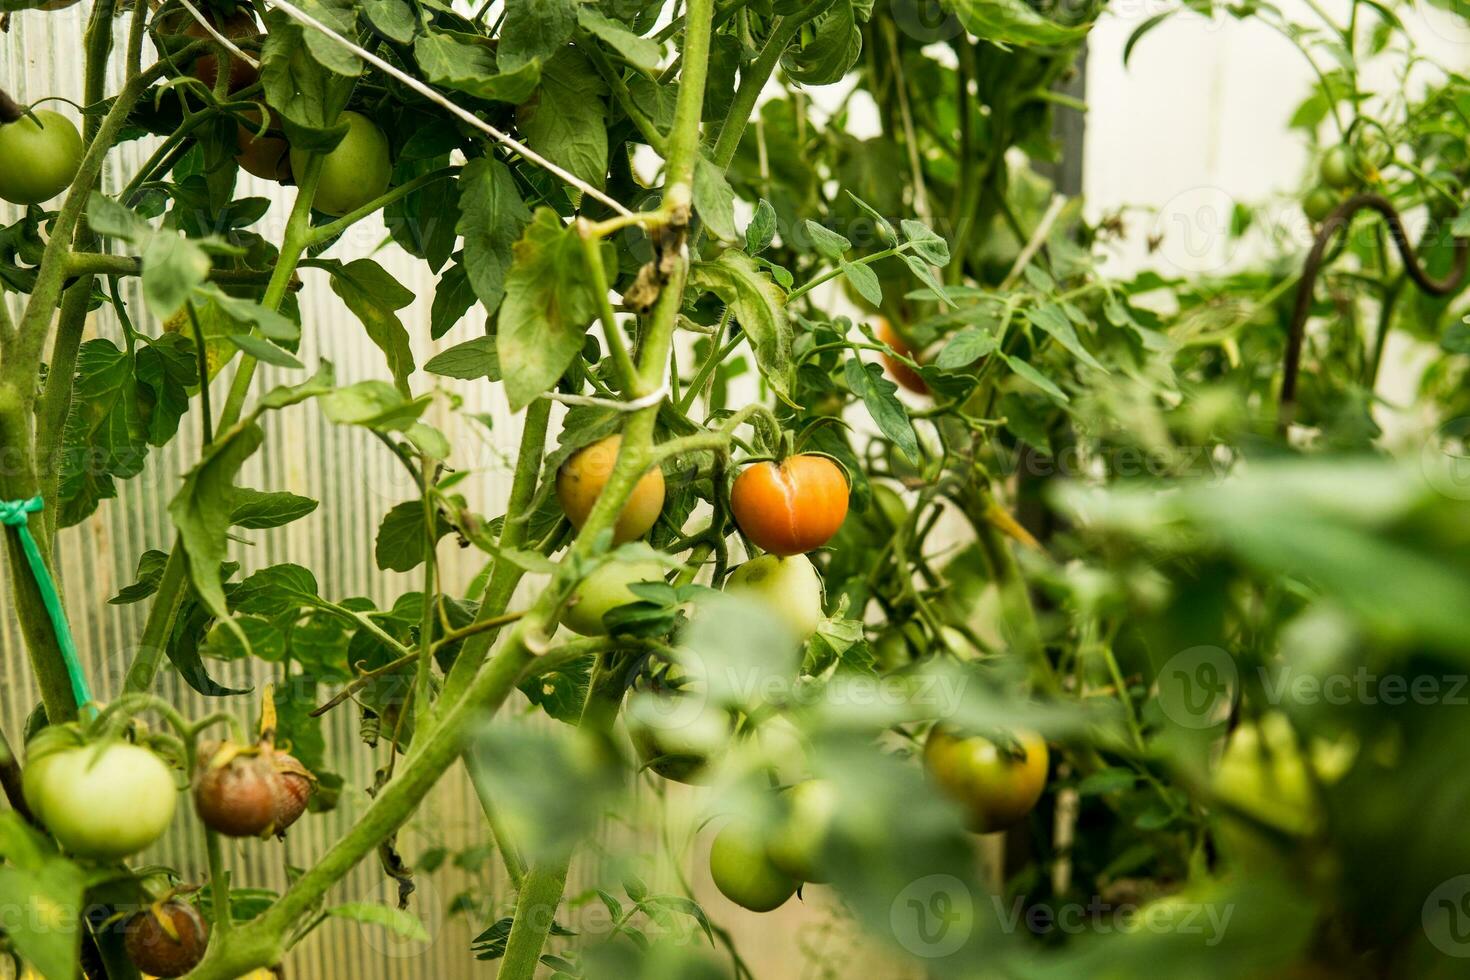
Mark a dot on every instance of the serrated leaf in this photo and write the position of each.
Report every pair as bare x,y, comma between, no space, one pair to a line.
714,199
1053,320
868,382
257,510
375,297
927,245
547,310
864,280
759,308
1034,376
263,350
641,52
762,228
826,241
492,218
469,361
965,348
402,543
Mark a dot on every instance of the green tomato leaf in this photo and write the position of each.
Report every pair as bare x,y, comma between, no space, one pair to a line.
469,361
1053,320
492,218
566,121
1034,376
264,350
760,309
548,307
201,510
714,199
535,30
257,510
375,297
394,19
403,540
1014,22
868,382
864,280
641,52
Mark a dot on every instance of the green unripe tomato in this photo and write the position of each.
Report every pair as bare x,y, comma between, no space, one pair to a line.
103,801
1339,168
355,172
742,872
1264,773
37,162
676,735
789,587
606,589
1318,203
795,847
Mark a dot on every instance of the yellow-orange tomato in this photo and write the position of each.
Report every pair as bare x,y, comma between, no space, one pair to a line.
791,508
267,157
900,372
997,789
580,481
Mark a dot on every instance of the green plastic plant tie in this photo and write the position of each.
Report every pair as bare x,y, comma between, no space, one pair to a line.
16,514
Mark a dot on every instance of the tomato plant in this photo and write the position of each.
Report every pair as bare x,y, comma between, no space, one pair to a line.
1093,583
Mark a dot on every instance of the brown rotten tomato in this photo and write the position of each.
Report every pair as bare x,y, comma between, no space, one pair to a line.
250,792
240,24
267,157
294,791
793,507
581,478
166,939
900,372
997,785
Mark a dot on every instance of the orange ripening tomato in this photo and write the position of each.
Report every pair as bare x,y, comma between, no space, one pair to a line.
900,372
581,478
996,789
791,508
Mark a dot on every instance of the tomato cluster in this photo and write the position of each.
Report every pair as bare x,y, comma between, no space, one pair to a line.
355,172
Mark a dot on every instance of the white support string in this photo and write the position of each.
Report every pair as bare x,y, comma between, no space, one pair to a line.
590,401
520,148
230,46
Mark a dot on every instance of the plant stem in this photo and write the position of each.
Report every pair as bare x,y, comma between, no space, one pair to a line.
542,889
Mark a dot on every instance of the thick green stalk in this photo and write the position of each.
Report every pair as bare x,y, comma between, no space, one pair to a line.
753,81
505,575
260,942
541,892
543,887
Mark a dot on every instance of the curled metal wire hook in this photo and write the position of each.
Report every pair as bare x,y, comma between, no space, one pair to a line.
1338,221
